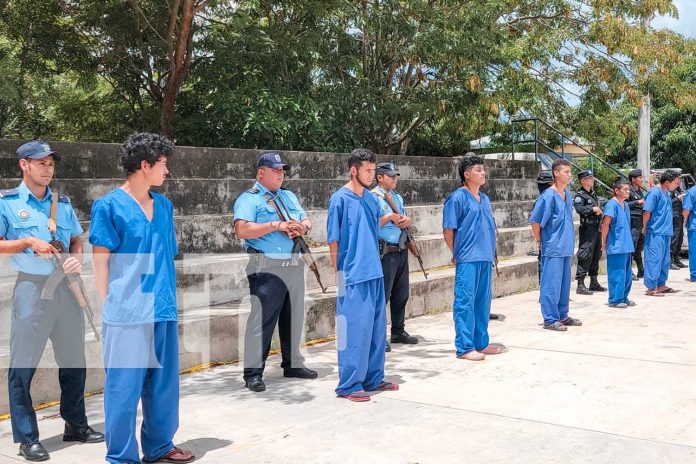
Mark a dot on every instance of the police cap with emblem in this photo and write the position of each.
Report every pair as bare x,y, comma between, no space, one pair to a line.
271,160
635,173
388,169
584,174
36,149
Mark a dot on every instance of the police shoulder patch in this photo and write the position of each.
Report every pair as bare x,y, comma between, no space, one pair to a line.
579,200
63,199
8,193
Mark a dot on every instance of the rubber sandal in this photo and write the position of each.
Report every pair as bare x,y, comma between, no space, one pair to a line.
667,290
359,396
493,348
652,292
556,326
175,455
387,386
570,322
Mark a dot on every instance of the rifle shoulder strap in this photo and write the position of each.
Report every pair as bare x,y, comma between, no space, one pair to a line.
52,220
392,204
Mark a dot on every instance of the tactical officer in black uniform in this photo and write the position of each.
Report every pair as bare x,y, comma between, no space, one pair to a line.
677,195
635,203
587,206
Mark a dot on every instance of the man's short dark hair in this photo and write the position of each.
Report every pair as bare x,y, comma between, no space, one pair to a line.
668,176
360,155
468,162
558,164
144,146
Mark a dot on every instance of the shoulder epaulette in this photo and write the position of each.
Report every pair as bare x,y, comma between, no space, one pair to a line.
8,193
253,190
377,192
63,199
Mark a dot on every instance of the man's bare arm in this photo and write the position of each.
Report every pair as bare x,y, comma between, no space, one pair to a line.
100,257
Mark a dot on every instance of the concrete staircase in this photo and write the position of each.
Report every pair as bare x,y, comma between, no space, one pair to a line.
212,287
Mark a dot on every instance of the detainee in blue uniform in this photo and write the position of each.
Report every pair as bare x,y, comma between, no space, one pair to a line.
469,232
393,250
690,222
552,225
361,321
275,271
24,234
132,231
617,242
658,230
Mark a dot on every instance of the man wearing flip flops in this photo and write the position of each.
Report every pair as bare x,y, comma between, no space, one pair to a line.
617,244
658,230
361,320
469,232
552,225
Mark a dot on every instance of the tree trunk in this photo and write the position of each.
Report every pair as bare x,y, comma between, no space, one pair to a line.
179,63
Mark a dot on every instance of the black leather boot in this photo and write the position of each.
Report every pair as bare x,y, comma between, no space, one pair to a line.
595,286
582,290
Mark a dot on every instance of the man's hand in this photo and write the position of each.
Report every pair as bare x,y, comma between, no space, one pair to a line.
641,201
681,197
293,228
43,250
72,266
393,217
597,210
404,222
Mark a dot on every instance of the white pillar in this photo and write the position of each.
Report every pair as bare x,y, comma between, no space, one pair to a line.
644,137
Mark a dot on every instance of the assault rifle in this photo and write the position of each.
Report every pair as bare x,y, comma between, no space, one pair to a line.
75,285
300,244
410,240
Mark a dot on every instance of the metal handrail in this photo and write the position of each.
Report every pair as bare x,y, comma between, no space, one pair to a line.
564,137
555,153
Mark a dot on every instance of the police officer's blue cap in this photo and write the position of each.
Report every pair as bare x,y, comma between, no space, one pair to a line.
635,173
585,173
388,169
271,160
36,149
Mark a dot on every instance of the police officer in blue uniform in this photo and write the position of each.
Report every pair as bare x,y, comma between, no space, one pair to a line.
275,271
587,206
24,234
393,250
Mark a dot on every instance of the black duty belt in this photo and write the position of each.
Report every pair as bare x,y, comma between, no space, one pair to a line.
259,259
386,248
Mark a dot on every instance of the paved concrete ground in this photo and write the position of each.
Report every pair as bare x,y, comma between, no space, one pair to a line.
620,389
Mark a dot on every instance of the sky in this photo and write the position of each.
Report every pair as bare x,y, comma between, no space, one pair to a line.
686,24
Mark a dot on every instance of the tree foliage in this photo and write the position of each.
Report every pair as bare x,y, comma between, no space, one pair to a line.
399,76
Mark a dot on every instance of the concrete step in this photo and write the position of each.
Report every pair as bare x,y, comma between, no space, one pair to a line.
95,160
212,279
205,196
215,333
214,233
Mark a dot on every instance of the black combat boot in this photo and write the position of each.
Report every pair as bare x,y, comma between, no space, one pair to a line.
582,290
595,286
